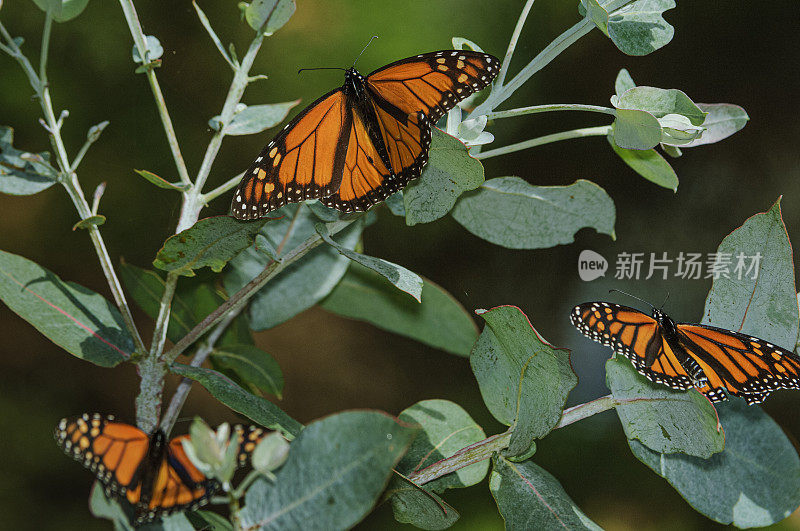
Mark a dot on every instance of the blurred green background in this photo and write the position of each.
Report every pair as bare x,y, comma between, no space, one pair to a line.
720,53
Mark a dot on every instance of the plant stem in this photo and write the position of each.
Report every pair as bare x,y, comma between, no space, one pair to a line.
69,178
547,139
240,298
484,449
512,44
221,189
140,41
178,399
561,43
533,109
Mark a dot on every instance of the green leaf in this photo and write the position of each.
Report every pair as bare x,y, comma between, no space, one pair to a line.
211,242
153,51
324,213
301,285
439,321
396,205
597,13
76,319
209,521
765,306
639,28
623,82
664,420
530,498
275,13
23,173
450,172
337,468
649,164
635,129
258,409
256,118
722,120
523,379
509,212
446,429
191,303
754,482
412,504
62,10
403,279
91,221
161,182
252,365
677,130
661,102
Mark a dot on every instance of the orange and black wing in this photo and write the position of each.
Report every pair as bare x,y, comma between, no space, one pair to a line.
114,451
636,336
177,485
740,364
366,180
433,83
304,161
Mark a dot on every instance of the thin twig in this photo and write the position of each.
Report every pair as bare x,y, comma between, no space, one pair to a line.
533,109
512,44
221,189
547,139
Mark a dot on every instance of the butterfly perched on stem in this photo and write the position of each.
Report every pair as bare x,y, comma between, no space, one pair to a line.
365,140
682,356
152,474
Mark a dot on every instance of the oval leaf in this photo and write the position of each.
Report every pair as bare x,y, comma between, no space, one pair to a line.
649,164
754,482
256,118
332,478
450,172
722,120
211,242
639,28
661,102
91,221
508,211
411,504
635,129
523,379
273,13
252,365
62,10
664,420
439,321
259,410
530,498
161,182
76,319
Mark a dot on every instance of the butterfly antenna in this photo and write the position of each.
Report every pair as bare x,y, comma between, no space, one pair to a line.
633,297
665,301
364,50
322,68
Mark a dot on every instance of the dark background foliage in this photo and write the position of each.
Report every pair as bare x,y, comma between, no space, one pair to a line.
719,54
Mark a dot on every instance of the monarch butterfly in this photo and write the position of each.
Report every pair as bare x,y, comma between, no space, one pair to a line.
681,356
153,475
365,140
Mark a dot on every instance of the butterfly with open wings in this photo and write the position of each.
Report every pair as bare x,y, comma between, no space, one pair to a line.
150,473
365,140
713,360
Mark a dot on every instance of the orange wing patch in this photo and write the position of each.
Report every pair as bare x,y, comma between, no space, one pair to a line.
302,162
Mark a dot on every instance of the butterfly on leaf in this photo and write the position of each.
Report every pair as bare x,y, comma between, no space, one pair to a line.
365,140
150,473
682,356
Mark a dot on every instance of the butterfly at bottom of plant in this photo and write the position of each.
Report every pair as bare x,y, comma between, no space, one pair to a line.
365,140
150,473
682,356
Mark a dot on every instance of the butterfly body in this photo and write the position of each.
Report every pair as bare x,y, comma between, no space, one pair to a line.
149,472
715,361
365,140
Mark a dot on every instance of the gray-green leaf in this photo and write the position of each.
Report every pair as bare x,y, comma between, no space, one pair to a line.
439,321
722,120
23,173
523,379
450,172
508,211
639,28
273,13
256,118
252,365
62,10
649,164
153,51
